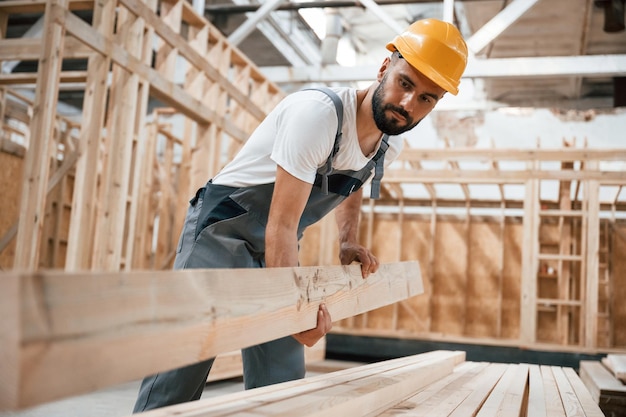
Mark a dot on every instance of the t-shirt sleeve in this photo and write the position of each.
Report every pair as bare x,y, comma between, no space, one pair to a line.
306,128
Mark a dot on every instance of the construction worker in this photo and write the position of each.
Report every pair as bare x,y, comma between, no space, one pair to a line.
310,155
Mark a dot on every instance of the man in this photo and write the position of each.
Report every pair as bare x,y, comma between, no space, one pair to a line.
289,174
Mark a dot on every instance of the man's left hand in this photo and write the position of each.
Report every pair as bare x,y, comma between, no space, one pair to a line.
350,252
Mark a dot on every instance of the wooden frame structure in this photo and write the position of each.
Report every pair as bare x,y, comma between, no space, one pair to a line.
222,98
558,251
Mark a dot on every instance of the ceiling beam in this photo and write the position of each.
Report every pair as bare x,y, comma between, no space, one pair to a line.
250,25
498,24
557,66
377,11
214,9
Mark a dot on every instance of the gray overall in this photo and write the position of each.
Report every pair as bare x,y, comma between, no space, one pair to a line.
225,228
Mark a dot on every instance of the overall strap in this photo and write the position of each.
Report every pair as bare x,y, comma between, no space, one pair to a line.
328,167
379,170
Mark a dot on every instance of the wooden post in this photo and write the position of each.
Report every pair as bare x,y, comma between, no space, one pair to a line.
111,216
528,302
592,201
195,80
36,166
82,220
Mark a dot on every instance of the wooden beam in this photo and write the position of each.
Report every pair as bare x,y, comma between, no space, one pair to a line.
617,364
98,329
25,49
528,290
39,6
487,155
361,391
592,203
471,176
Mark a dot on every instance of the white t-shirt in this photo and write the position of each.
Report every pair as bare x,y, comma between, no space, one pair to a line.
299,135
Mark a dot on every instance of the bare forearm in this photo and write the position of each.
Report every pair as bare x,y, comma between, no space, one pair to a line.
281,246
347,215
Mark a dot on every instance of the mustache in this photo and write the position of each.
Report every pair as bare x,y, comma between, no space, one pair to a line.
399,110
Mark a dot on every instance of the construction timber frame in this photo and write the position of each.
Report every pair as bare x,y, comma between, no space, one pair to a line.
109,192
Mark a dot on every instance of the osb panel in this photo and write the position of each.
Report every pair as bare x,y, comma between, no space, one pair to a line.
385,246
414,313
483,287
450,278
546,326
619,287
511,280
385,237
10,184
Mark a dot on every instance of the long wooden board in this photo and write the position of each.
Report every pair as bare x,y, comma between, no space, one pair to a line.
616,363
98,329
363,391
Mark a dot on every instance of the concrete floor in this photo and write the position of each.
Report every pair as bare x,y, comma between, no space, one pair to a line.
116,401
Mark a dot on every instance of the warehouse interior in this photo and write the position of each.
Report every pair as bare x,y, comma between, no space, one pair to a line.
510,195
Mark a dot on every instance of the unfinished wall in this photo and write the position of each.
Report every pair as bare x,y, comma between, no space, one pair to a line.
472,281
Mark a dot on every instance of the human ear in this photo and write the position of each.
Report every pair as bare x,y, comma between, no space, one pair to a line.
383,69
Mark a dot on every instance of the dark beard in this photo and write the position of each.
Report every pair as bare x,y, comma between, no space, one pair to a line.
383,123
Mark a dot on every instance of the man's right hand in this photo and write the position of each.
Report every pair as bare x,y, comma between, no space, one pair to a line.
324,324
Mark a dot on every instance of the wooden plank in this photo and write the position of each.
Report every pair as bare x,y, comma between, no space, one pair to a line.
617,364
319,381
590,407
362,391
39,6
475,176
536,393
554,405
481,390
528,302
25,49
571,405
592,201
491,154
507,396
87,319
441,397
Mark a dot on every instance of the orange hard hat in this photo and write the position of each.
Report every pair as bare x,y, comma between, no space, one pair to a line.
436,49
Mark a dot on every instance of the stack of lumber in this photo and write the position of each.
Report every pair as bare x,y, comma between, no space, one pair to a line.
439,383
603,384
